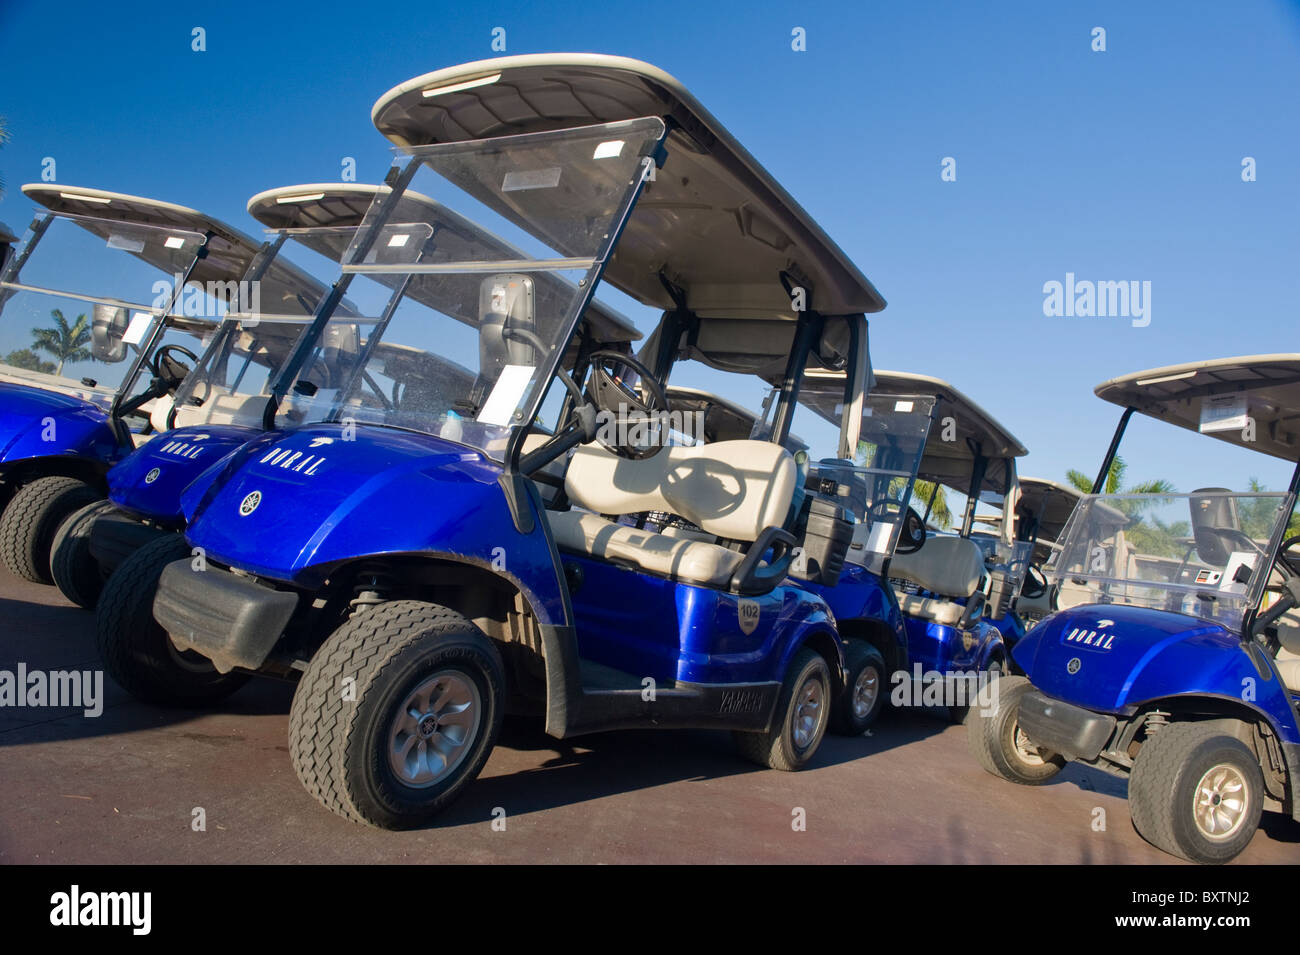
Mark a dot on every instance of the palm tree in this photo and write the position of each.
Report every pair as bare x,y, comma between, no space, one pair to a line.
1115,480
64,342
940,513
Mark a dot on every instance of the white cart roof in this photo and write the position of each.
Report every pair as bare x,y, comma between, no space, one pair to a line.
229,251
713,220
342,206
1269,385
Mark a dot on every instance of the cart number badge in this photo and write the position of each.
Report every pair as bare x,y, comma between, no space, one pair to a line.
249,504
747,612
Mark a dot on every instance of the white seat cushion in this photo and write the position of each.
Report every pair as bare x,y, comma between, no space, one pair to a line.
734,489
1290,671
946,612
680,558
951,566
1288,665
948,566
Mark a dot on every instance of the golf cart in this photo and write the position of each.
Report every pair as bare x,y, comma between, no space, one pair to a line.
1180,672
220,406
919,599
1042,512
411,574
60,434
215,409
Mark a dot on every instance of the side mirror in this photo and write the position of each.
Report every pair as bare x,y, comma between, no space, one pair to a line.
107,332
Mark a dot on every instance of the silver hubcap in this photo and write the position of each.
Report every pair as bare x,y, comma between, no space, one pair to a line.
865,689
1025,749
1220,802
434,728
807,712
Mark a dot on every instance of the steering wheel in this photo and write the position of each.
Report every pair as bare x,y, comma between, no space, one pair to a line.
1034,584
1286,561
613,396
167,369
911,536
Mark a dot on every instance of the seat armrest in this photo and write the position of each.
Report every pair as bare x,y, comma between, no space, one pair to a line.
974,610
751,577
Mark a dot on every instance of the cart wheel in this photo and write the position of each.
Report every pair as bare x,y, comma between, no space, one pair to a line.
75,571
1001,747
802,712
994,671
29,523
138,654
397,713
864,690
1196,793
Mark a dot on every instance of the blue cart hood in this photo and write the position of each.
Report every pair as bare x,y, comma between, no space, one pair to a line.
149,481
38,423
1122,656
290,505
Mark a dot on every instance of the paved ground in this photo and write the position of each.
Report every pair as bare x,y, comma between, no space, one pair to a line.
123,788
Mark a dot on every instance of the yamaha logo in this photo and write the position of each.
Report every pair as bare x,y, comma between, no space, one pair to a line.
1073,666
152,476
249,504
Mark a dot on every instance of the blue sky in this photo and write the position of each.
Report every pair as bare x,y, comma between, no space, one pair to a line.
1122,165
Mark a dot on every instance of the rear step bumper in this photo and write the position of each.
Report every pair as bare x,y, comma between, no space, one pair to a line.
231,620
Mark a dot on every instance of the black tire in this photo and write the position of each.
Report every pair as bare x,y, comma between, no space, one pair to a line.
992,739
340,747
29,523
777,748
75,571
852,714
137,652
1163,791
958,714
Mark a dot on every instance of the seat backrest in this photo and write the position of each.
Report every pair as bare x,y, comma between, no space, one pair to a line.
949,566
733,489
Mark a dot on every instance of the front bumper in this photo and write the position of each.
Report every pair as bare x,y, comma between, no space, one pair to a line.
115,536
231,620
1064,728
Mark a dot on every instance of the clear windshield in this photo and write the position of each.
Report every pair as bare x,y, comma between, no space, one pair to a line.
233,380
1206,554
78,309
455,326
877,484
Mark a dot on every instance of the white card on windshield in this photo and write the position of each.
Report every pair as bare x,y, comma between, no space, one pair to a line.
506,394
1239,559
878,539
139,326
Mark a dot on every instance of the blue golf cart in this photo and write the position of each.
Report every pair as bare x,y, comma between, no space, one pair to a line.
74,393
919,599
213,410
222,404
1173,661
424,566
